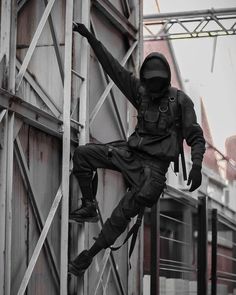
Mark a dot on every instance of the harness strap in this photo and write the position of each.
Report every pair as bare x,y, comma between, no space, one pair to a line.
174,109
132,232
95,184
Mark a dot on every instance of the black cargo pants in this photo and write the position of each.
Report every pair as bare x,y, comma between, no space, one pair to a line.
145,176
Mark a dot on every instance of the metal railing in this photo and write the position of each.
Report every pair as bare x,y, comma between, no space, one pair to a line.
192,242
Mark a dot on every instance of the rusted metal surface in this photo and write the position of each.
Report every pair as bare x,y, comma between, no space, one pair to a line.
43,154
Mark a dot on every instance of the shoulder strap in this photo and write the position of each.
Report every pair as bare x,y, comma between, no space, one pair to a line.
174,107
176,115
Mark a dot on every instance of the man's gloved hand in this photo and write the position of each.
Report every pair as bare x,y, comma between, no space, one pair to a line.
80,28
195,177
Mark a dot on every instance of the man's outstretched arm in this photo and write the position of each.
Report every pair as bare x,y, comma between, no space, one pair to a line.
193,134
123,78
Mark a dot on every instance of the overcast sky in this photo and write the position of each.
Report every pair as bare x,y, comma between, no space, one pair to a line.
194,57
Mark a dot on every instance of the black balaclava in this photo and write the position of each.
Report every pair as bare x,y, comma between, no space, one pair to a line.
155,74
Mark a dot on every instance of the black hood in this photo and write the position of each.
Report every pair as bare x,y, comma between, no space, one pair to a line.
161,57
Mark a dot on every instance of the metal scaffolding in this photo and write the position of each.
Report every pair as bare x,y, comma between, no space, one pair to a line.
190,24
69,121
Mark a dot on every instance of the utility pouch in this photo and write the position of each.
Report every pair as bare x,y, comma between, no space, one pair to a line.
152,188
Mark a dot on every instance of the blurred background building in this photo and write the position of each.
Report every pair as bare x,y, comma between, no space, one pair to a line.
195,62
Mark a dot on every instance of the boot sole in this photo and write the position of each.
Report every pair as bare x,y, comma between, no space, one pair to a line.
72,270
82,220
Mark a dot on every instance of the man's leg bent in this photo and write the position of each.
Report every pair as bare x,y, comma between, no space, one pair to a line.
119,220
86,160
112,229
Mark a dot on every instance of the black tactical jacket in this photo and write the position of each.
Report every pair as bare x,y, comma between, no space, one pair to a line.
156,132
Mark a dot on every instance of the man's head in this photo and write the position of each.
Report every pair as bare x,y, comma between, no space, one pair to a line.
155,73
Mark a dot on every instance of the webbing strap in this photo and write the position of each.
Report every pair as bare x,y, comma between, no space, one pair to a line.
132,232
95,184
175,113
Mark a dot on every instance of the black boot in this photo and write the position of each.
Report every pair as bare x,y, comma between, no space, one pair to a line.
86,213
79,265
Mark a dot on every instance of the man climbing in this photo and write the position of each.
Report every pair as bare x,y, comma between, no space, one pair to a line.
166,116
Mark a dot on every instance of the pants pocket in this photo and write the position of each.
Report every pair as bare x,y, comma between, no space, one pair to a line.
151,189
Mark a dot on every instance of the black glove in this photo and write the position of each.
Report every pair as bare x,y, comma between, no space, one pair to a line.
195,177
80,28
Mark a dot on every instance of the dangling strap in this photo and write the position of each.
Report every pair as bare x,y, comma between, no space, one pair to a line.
133,231
173,102
183,163
95,184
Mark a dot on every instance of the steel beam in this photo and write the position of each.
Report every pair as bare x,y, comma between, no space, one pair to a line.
25,173
8,41
201,19
3,163
202,278
118,281
43,235
41,93
116,18
30,114
155,249
223,12
126,8
106,78
33,43
78,75
21,4
84,53
234,251
214,252
101,272
107,281
56,45
66,148
2,115
110,85
34,116
9,182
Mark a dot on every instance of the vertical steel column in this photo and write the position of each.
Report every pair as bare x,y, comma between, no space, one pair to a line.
234,251
186,233
66,147
3,163
155,248
84,54
33,43
9,182
202,246
8,41
214,221
136,9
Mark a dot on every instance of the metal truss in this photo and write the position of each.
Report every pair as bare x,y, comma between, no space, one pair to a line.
190,24
58,122
116,18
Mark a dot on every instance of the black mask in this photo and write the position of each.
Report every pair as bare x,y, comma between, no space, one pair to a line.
156,84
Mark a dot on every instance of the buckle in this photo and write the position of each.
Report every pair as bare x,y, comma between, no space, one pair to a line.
163,109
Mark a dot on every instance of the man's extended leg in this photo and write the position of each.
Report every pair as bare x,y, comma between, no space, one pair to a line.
152,182
86,160
112,229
